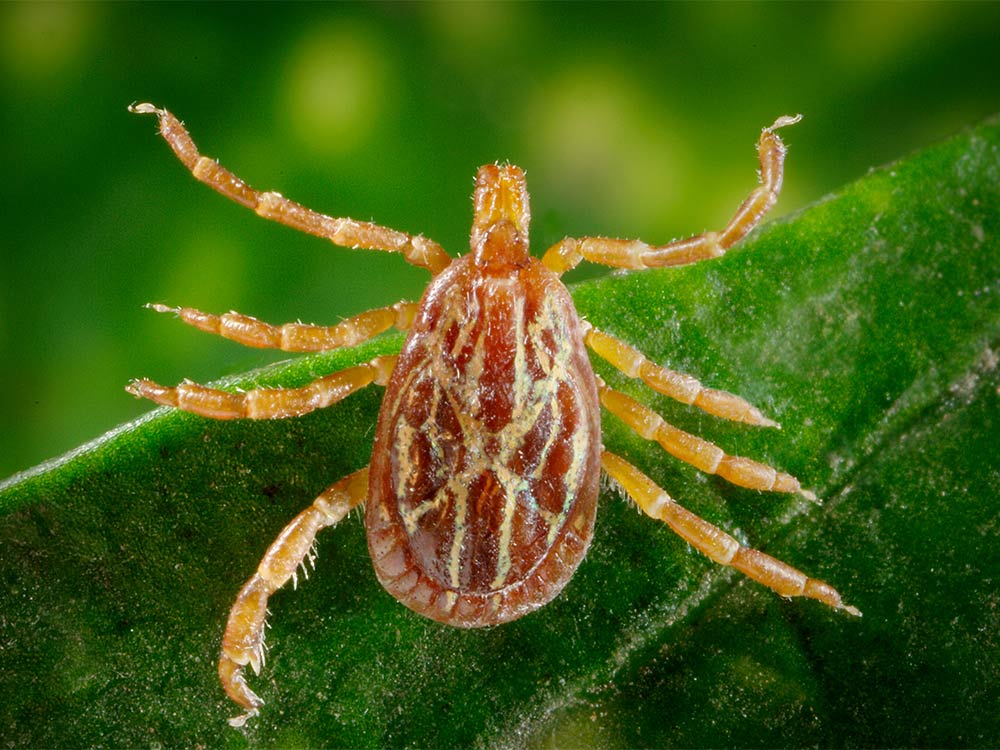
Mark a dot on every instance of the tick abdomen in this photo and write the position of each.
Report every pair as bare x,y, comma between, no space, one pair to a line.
484,477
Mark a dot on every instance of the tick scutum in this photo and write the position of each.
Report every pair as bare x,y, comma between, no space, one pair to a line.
484,476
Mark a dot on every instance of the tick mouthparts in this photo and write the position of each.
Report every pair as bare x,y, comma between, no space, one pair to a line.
501,195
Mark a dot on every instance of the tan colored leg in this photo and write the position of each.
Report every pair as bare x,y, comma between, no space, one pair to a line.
637,254
297,337
418,250
714,542
676,385
267,403
243,642
690,449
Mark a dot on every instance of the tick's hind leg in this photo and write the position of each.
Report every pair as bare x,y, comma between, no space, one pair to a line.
676,385
418,250
243,642
637,254
267,403
690,449
714,542
298,337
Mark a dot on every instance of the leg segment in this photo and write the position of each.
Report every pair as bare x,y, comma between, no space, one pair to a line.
676,385
267,403
567,254
714,542
298,337
243,642
418,250
690,449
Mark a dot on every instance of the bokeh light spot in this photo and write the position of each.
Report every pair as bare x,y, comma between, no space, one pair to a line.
604,147
868,37
40,40
334,88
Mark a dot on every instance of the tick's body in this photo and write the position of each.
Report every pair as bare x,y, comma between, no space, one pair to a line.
482,490
485,470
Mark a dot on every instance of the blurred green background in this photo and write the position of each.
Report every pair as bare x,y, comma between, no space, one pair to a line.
631,120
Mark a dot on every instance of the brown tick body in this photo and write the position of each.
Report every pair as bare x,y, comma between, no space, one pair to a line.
484,475
482,489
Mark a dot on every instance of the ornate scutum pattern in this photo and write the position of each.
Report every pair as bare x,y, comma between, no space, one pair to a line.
484,477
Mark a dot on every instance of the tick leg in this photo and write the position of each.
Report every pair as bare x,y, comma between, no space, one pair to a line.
243,642
267,403
676,385
345,232
298,337
637,254
691,449
714,542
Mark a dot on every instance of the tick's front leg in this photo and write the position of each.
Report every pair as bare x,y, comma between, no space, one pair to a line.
243,642
638,254
345,232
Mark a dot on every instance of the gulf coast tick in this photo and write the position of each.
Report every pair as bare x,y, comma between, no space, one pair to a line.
482,489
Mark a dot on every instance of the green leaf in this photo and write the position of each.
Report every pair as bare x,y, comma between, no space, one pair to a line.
868,325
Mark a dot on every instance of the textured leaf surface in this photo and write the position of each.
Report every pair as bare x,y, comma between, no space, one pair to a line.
869,325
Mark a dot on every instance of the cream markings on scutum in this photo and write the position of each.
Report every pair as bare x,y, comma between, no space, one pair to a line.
490,452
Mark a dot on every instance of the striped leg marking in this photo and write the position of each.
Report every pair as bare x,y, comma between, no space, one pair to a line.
344,232
676,385
243,642
297,337
567,254
693,450
267,403
716,544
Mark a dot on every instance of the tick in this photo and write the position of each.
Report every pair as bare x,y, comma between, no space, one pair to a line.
480,497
